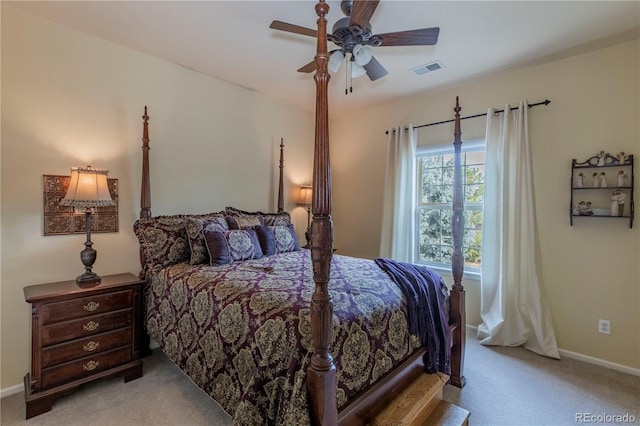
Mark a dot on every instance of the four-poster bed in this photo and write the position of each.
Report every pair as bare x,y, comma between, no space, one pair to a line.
353,339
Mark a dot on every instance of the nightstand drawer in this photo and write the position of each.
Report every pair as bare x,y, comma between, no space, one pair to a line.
88,326
85,306
64,373
84,347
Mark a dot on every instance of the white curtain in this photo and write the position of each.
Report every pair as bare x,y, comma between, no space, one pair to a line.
398,225
513,304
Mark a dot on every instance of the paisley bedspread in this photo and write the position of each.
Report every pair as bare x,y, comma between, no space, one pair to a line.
241,331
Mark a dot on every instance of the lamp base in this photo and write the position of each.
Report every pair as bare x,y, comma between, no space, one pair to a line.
307,236
88,279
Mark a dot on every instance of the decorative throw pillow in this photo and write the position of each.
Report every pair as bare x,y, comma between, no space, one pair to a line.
244,222
231,246
195,228
232,211
277,239
163,240
277,219
270,219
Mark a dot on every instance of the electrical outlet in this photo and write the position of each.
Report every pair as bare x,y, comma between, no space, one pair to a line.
604,326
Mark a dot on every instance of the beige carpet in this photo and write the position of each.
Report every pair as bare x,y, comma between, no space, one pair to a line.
513,386
505,386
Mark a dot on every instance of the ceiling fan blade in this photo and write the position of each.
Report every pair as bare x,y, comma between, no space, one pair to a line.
310,67
296,29
362,11
423,37
375,70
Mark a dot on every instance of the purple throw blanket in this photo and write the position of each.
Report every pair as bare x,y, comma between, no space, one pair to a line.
425,292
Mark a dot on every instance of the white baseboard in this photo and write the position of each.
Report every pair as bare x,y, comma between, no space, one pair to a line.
11,390
601,362
588,359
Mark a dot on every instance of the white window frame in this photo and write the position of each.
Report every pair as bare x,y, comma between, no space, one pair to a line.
467,146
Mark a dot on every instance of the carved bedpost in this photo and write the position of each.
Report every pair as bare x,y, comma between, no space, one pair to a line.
457,314
145,193
145,211
321,381
145,188
281,181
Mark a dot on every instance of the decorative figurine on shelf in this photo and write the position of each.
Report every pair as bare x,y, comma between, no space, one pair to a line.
622,157
584,208
596,180
621,178
603,180
579,183
617,203
601,158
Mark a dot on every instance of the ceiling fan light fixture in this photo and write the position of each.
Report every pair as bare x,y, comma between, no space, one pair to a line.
362,54
335,60
357,70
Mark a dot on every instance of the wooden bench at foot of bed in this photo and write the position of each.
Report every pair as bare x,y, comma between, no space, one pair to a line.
421,404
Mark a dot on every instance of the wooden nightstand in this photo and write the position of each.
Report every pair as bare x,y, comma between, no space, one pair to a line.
80,335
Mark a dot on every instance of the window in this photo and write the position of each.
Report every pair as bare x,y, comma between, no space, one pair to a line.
435,203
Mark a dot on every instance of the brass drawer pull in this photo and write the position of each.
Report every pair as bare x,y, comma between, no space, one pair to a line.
91,346
91,326
91,365
91,306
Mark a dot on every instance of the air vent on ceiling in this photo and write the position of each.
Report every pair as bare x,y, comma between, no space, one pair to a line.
427,68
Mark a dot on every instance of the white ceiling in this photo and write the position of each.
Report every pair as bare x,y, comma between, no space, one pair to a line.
232,41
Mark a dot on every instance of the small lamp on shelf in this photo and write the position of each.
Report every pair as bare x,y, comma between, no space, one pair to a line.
88,189
304,200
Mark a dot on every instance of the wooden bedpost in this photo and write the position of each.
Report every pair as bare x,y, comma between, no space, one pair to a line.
145,188
457,314
145,212
281,182
321,380
145,193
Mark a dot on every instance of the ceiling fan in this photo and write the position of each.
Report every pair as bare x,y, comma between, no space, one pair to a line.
354,37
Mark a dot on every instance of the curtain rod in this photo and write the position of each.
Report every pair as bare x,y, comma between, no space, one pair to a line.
545,102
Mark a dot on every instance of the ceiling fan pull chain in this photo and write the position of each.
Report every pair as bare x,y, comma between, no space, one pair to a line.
347,71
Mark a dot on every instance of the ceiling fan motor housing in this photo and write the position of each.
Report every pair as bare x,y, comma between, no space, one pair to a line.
348,37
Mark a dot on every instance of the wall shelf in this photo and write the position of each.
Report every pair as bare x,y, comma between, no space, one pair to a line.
596,188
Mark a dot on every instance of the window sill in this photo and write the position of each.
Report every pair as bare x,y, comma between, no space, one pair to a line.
467,275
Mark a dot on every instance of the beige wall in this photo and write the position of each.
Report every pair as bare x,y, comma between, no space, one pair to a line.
70,99
590,270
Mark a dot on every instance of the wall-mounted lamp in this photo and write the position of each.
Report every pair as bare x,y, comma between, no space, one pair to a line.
304,200
88,189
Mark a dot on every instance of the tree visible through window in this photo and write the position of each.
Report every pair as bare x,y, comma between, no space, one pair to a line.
434,207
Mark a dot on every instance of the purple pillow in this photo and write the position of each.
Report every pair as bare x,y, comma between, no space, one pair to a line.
163,240
195,228
277,239
244,222
277,219
231,246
